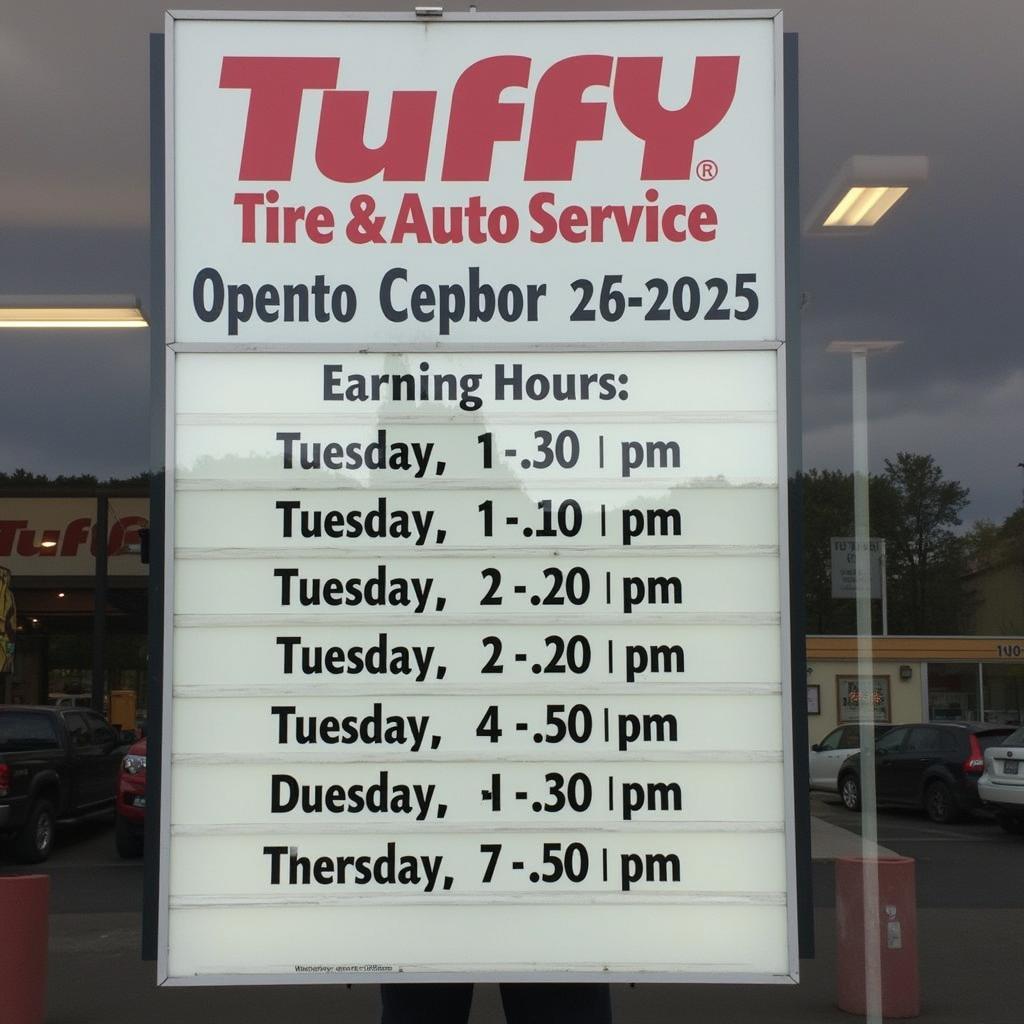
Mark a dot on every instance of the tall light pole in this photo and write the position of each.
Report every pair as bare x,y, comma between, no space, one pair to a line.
863,191
859,352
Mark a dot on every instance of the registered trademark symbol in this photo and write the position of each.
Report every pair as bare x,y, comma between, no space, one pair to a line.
707,169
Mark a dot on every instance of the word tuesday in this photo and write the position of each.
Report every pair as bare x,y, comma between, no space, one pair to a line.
376,454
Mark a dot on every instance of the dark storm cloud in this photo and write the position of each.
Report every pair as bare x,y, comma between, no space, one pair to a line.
933,77
75,401
74,261
77,407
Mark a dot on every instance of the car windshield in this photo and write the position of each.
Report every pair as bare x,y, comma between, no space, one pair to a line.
26,731
891,741
997,739
1015,739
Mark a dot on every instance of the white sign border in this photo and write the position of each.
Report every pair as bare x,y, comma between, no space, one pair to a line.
778,345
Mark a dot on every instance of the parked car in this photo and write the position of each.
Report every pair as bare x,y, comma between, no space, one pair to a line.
130,813
1001,786
56,764
71,700
932,765
826,757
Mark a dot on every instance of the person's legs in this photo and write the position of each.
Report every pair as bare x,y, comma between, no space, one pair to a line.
425,1004
551,1003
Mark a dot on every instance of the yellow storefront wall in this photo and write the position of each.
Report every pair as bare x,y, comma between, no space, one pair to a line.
831,657
905,696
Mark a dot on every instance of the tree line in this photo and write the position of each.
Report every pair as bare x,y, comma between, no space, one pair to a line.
25,479
930,564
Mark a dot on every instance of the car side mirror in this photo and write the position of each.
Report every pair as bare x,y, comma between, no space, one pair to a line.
816,747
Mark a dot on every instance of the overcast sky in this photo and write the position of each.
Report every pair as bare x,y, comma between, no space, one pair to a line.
942,273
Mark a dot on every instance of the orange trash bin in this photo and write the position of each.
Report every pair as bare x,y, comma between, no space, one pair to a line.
897,934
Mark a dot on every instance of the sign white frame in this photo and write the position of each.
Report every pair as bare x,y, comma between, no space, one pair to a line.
630,345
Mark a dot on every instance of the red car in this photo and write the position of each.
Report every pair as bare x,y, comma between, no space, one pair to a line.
131,801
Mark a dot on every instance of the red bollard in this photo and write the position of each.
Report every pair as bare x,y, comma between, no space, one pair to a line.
897,911
24,923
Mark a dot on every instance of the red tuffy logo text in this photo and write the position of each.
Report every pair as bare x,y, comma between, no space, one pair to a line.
479,117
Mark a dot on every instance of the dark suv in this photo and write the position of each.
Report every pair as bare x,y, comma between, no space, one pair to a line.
55,764
934,765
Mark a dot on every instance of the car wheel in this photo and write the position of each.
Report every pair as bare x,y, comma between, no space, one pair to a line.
127,839
849,790
1015,826
35,840
940,804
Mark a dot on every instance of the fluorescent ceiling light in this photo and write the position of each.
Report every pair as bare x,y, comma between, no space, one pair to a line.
863,191
864,207
73,311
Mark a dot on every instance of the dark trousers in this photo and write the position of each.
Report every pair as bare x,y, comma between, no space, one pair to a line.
523,1003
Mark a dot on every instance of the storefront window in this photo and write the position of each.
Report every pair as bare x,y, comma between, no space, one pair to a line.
1003,690
953,692
931,291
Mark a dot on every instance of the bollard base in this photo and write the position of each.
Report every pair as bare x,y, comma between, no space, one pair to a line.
24,910
897,933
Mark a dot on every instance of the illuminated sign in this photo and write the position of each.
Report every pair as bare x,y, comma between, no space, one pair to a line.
57,536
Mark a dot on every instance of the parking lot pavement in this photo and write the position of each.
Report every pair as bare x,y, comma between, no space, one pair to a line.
830,842
95,972
970,864
971,931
